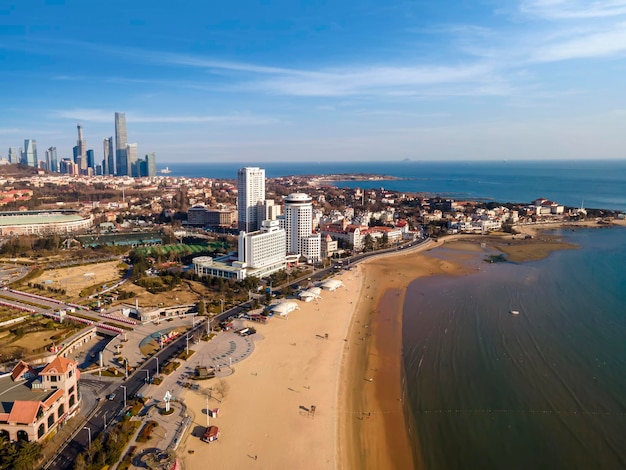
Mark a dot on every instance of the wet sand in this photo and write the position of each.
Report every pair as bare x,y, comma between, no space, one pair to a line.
265,416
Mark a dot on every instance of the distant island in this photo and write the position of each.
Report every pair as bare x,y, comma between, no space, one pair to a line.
321,179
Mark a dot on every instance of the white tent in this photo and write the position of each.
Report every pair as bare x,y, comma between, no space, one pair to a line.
310,294
332,284
284,308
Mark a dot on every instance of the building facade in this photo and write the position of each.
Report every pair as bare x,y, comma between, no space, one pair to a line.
42,222
80,156
202,217
51,159
14,155
121,140
108,162
35,403
297,221
29,155
263,252
250,191
131,160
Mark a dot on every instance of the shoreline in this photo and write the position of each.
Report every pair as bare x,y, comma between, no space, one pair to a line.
358,423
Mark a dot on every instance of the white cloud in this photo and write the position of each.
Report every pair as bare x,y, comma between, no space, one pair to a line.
598,44
107,116
573,9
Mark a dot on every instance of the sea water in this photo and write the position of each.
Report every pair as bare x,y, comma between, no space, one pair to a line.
542,389
592,184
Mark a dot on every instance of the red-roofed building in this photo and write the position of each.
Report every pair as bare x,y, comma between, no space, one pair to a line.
36,403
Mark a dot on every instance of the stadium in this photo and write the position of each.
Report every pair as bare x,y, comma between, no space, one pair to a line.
42,222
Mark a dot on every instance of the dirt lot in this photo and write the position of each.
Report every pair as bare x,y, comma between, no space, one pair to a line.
77,278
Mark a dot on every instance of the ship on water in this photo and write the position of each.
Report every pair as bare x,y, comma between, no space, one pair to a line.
165,170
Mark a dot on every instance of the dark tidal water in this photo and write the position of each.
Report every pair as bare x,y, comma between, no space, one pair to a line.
543,389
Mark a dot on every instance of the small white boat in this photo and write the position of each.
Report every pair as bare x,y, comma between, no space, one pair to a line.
514,312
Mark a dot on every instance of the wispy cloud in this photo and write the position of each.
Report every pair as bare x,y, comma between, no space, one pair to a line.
573,9
598,44
106,116
350,80
378,80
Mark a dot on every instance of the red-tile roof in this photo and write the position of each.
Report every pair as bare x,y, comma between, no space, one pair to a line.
20,369
24,412
60,365
52,398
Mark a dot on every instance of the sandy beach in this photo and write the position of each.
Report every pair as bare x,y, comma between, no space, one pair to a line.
353,378
265,419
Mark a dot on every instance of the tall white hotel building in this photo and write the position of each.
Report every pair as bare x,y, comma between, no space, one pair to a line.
250,191
297,221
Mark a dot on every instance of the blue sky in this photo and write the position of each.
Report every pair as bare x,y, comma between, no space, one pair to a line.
318,80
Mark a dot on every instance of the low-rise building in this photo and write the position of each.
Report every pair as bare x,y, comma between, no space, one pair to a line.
35,403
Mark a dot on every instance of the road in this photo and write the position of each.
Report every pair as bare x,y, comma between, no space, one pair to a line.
108,410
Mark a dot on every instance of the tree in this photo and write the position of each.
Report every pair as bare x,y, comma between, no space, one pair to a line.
222,388
385,240
28,455
368,243
201,307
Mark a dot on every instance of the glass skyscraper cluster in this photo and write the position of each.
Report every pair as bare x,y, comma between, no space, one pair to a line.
119,157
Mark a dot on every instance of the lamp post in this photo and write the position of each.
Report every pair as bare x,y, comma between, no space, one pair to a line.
124,387
147,375
187,338
157,369
104,419
207,411
89,431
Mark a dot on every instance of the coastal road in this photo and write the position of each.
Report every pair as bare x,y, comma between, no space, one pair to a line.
107,410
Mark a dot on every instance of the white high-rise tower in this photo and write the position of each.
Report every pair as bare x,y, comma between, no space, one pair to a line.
297,221
250,191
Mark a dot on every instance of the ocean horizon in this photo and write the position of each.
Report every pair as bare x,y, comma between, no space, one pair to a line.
599,184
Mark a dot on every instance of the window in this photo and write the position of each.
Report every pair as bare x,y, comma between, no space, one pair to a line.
71,390
60,411
50,420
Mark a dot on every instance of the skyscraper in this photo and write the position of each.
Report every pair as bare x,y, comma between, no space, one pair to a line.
121,140
297,221
147,167
109,156
131,160
14,155
29,156
51,159
81,148
91,159
250,190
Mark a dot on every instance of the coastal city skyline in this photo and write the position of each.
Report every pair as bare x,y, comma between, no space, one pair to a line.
528,79
123,161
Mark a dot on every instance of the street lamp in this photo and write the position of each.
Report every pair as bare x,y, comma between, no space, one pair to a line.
89,431
124,387
187,338
104,419
157,370
147,375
